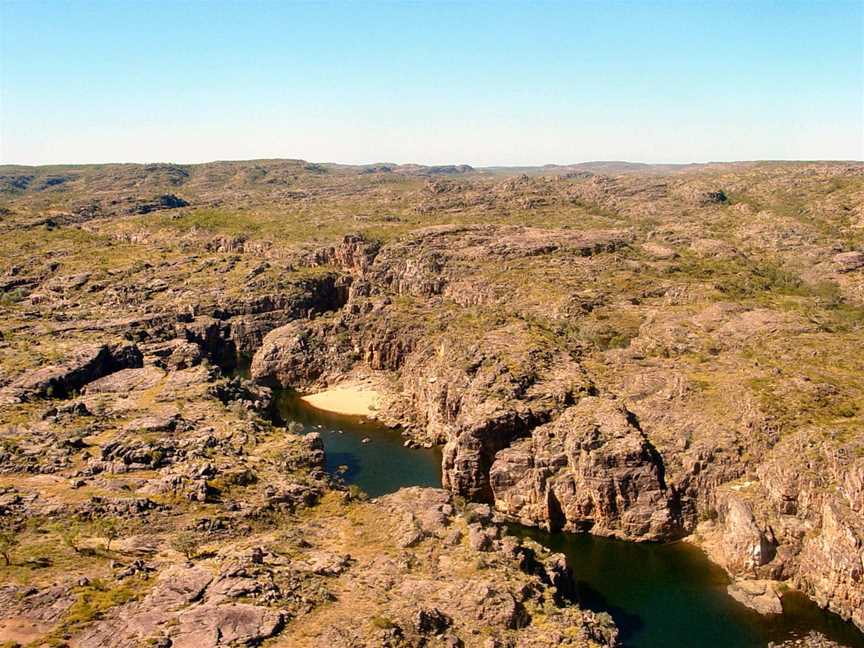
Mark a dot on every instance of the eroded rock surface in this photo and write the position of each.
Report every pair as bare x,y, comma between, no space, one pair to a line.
591,469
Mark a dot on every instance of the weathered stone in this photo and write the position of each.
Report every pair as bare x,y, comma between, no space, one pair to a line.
87,365
762,596
126,380
589,469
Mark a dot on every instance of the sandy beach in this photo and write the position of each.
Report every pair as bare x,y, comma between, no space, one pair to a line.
357,400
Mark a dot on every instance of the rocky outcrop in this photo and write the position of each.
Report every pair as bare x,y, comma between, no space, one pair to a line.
762,596
126,380
433,258
816,497
166,201
744,545
226,331
303,353
294,355
831,562
86,365
848,261
591,469
720,305
811,640
478,398
424,605
799,521
169,614
245,595
354,253
211,626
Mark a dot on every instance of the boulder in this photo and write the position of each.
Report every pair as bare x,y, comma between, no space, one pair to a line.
760,595
126,380
848,261
213,626
744,545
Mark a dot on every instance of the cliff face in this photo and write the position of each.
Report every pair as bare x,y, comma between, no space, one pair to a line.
591,469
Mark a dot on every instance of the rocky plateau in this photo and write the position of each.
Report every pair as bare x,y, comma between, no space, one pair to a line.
647,354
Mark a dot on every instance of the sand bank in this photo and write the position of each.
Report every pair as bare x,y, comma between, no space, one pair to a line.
357,400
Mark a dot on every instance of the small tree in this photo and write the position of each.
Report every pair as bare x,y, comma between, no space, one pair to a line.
70,532
109,529
8,541
186,543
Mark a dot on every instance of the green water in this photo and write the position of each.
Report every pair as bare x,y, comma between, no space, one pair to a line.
671,596
660,595
380,466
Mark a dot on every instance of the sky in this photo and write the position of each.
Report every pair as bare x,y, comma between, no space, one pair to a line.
431,82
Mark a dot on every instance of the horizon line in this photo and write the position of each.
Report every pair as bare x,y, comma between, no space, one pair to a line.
446,164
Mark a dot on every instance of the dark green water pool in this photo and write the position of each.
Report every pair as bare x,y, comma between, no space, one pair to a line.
671,596
661,596
381,465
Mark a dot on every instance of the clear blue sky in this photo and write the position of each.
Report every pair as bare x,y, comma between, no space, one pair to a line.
431,82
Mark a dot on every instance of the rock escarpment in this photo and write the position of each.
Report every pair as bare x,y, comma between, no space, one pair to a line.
226,330
591,469
85,365
189,520
801,521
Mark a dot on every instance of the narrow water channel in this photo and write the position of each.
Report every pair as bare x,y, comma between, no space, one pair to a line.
661,596
362,451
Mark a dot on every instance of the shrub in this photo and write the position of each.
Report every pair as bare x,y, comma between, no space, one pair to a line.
9,539
70,532
382,623
108,529
186,543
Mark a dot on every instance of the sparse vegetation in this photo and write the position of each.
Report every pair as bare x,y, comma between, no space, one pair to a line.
186,543
108,529
483,306
9,539
70,532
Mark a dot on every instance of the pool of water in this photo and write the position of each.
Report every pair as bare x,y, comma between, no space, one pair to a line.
671,595
379,466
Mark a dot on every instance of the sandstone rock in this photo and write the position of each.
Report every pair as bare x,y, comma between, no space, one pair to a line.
762,596
659,251
745,546
432,621
589,469
126,380
832,562
481,539
289,356
213,626
87,365
848,261
813,639
166,201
